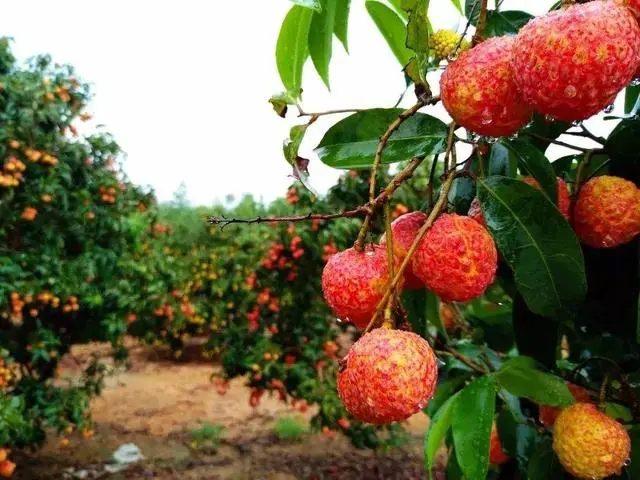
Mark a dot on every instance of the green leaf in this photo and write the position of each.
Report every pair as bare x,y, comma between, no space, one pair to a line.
281,101
433,314
549,130
321,38
472,421
537,243
544,464
352,142
291,149
508,22
623,146
472,10
536,164
418,28
536,336
495,323
458,5
313,4
446,388
341,26
392,29
415,303
462,192
502,161
631,97
397,6
440,424
522,377
291,49
518,440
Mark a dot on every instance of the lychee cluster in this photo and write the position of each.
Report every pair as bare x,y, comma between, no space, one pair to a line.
447,44
589,444
567,65
388,375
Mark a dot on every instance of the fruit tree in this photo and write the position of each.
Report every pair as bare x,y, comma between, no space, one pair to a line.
530,365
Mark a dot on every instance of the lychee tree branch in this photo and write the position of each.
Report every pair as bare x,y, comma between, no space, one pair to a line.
482,22
437,209
390,256
302,113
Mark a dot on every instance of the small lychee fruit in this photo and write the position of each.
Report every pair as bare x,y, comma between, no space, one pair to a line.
496,454
564,196
388,376
7,468
607,212
457,258
447,43
548,415
570,64
589,444
354,282
479,92
405,229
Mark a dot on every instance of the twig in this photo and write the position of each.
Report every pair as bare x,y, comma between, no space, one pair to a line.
586,134
587,158
449,160
360,211
359,244
302,113
390,256
432,176
482,22
437,209
459,356
456,51
557,142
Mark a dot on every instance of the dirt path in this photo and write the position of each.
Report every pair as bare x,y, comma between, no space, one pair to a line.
157,404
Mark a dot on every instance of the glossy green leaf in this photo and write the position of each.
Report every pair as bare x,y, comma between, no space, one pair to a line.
440,424
536,337
352,142
446,389
544,465
281,101
502,161
462,193
537,243
458,5
518,439
472,10
397,6
392,29
522,377
508,22
495,324
292,50
541,131
341,26
433,314
536,164
321,38
418,27
415,303
313,4
631,99
291,150
472,421
623,147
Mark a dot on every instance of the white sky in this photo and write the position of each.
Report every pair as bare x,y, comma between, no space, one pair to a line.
183,85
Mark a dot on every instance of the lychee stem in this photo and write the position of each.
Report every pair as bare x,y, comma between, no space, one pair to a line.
437,209
390,257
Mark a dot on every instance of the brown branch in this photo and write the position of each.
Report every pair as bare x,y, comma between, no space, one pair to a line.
359,244
482,22
302,113
464,359
360,211
437,209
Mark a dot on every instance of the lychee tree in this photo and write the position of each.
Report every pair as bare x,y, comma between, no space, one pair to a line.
541,378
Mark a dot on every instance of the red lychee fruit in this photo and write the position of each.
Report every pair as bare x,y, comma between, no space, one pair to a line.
496,454
404,229
633,5
388,376
589,444
354,282
548,415
607,212
564,196
479,93
570,64
457,258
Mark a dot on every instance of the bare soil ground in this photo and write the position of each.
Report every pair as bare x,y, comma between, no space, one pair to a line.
156,405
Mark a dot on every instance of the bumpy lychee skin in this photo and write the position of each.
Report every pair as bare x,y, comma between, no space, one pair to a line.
354,282
496,454
404,229
570,64
445,44
589,444
564,196
479,93
633,5
607,212
548,415
388,376
457,259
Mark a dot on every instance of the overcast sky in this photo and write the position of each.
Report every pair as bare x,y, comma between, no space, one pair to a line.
183,85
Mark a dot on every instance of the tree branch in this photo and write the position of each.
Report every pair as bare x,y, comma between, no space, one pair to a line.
482,22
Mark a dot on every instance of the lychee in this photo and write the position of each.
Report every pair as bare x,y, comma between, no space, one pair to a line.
353,283
589,444
548,415
633,5
479,92
564,196
447,43
388,376
570,64
405,229
457,258
496,454
607,212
